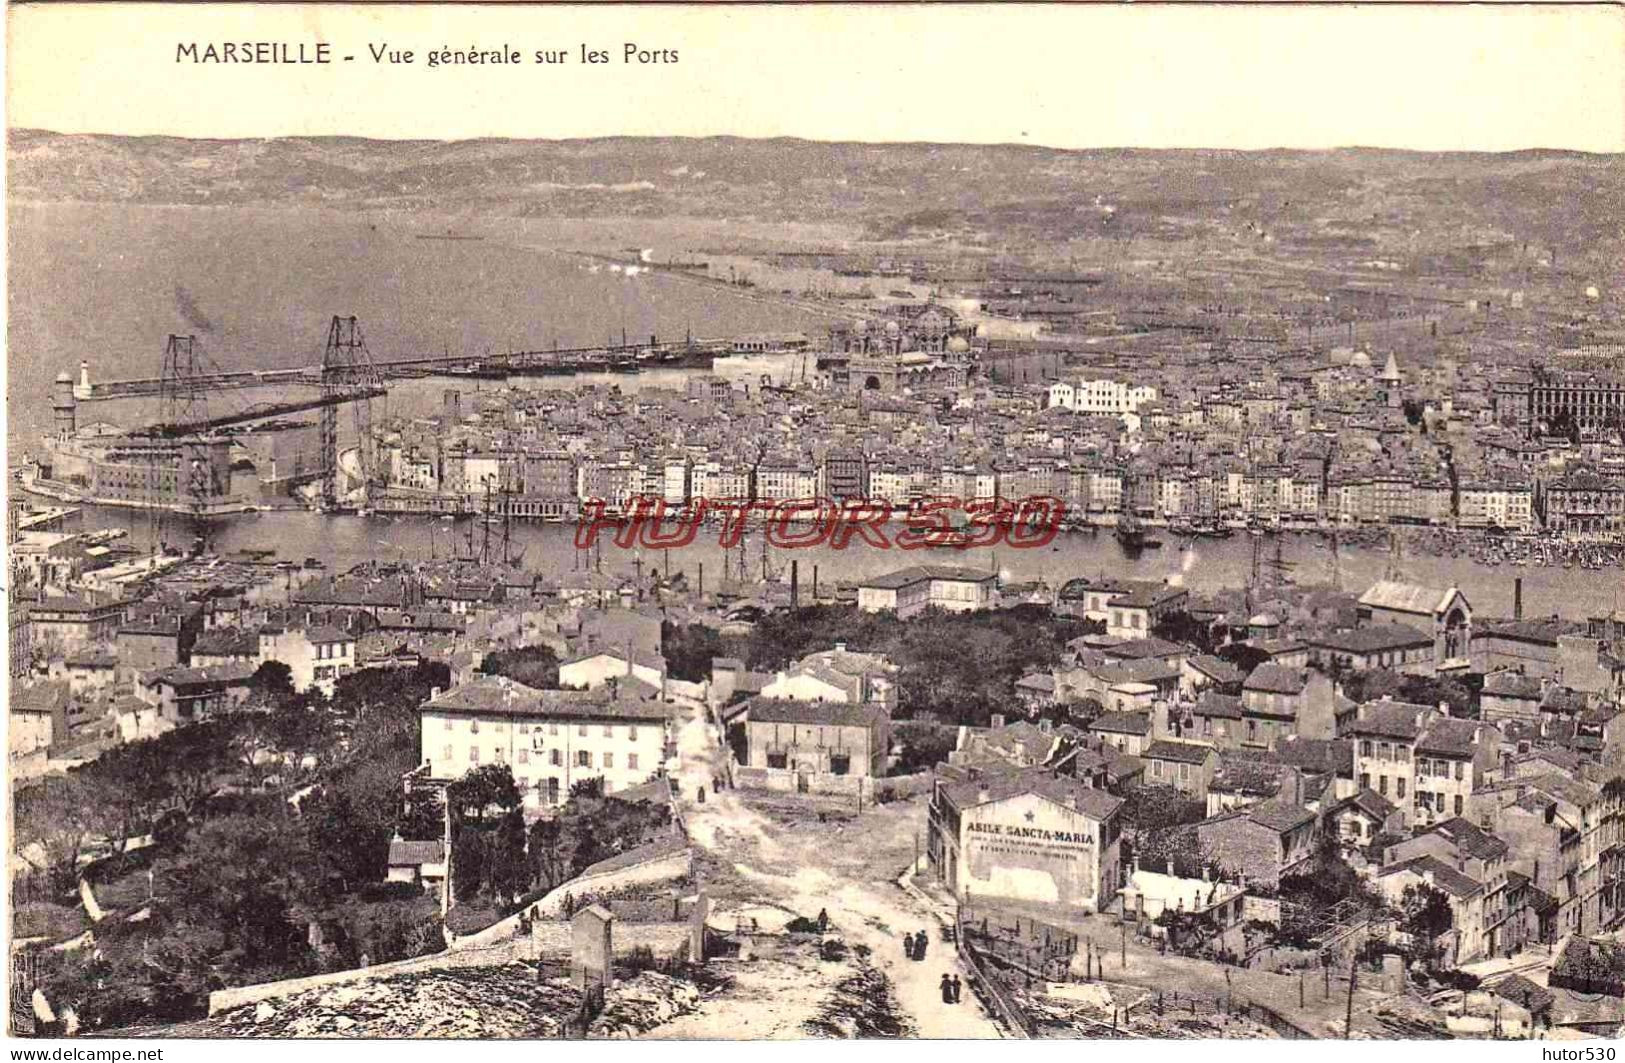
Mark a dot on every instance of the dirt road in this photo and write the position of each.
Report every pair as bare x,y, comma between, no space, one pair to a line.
846,869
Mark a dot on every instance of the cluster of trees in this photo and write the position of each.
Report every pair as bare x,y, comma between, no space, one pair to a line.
498,864
1462,697
222,842
1158,829
956,667
534,666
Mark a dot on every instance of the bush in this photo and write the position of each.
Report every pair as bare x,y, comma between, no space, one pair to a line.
56,922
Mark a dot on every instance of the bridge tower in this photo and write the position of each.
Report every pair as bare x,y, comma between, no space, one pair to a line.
183,398
347,368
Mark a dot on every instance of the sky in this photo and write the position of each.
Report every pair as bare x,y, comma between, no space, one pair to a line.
1449,77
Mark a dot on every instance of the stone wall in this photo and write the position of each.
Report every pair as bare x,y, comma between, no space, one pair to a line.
551,940
663,868
236,997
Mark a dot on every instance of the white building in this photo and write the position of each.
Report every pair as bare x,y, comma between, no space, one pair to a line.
1105,397
911,591
598,668
316,657
549,739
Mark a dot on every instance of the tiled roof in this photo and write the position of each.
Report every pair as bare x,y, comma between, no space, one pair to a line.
1512,685
817,713
1405,597
1280,815
1179,752
1219,706
409,853
236,672
921,573
1450,737
1470,839
1139,649
1373,639
1442,874
1097,804
1371,803
326,633
1276,679
48,697
1217,668
1129,723
1388,719
502,696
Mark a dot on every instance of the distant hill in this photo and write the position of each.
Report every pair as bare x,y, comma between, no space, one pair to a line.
966,193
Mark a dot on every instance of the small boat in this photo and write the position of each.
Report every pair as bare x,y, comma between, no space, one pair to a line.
1130,533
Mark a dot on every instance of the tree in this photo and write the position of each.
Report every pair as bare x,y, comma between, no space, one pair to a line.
60,816
273,681
923,745
1149,807
1184,629
1427,914
490,786
1244,657
549,852
239,891
534,666
300,730
252,744
689,650
349,847
193,759
132,788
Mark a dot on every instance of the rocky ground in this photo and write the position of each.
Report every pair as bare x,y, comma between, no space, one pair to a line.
469,1002
1100,1009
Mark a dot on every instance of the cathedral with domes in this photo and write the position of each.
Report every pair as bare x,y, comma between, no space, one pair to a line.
926,345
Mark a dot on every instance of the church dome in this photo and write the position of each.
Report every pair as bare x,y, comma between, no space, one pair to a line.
958,344
892,328
1360,360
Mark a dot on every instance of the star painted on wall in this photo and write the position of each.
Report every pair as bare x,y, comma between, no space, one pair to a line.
1031,816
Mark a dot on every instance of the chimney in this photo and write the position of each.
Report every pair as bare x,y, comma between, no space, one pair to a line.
997,721
840,647
434,692
1517,598
1044,726
795,584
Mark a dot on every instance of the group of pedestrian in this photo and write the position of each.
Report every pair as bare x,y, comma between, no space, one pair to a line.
914,946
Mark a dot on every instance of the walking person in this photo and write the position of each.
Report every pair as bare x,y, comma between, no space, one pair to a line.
908,945
947,990
920,942
957,988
